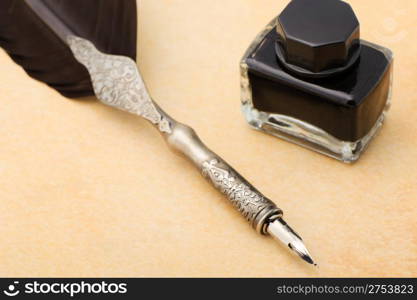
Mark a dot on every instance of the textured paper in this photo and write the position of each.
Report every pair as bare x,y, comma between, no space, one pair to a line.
86,190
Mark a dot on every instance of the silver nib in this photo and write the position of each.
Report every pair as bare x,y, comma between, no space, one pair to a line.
280,231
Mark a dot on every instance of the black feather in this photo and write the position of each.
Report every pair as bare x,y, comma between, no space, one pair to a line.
33,33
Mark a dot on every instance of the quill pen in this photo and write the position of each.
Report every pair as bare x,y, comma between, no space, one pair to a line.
117,82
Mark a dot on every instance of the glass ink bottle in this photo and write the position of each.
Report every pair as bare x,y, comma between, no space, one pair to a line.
308,78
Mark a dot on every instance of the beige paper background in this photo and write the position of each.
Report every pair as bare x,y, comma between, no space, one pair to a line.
86,190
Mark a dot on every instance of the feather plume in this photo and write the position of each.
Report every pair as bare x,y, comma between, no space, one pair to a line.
33,33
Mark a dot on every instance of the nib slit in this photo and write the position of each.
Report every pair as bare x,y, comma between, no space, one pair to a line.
280,230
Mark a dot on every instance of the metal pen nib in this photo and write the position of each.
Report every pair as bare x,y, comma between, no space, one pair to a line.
280,231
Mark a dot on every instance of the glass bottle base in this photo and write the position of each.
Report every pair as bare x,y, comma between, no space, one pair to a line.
310,136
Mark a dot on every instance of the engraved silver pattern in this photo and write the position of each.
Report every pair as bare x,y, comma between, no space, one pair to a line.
243,196
117,82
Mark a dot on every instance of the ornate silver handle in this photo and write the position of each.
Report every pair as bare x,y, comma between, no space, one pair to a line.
117,82
254,206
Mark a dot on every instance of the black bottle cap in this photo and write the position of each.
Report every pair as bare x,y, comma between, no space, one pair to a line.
317,38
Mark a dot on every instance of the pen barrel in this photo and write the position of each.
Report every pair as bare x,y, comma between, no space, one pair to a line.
117,82
254,206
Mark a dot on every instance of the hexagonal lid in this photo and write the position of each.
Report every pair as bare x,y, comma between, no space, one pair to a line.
318,36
